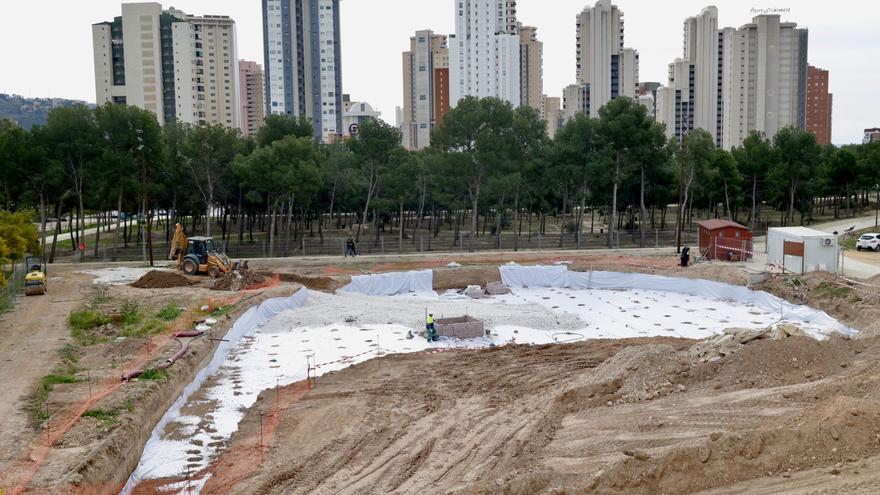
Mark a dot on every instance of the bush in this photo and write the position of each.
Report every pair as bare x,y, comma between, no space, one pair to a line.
131,313
148,329
107,417
170,312
154,374
84,322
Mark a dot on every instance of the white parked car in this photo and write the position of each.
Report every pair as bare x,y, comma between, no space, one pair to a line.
868,241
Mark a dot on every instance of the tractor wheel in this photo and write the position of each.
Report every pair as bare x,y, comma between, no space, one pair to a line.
214,272
190,267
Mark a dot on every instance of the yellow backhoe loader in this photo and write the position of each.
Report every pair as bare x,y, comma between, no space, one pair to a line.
197,255
36,279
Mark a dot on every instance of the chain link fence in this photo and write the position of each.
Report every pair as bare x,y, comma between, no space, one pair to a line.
391,244
14,285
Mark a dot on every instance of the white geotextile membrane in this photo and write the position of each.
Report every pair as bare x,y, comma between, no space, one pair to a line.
389,284
120,275
157,452
270,345
818,323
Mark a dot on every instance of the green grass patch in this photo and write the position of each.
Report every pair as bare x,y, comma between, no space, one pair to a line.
146,329
170,312
69,353
130,313
833,291
84,323
107,417
222,311
129,405
154,374
48,382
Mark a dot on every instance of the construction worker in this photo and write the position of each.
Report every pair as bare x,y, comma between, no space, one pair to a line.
350,249
685,257
430,331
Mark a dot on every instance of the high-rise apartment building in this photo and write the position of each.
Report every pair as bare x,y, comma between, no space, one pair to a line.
819,104
553,114
253,104
425,88
871,136
216,35
692,98
605,69
180,67
303,62
764,79
531,52
484,52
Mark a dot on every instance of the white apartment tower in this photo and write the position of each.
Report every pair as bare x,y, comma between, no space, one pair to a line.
180,67
303,62
605,69
764,79
692,98
484,53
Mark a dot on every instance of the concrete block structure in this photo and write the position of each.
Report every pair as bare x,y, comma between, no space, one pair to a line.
464,327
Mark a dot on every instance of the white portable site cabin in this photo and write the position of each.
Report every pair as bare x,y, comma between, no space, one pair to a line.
802,250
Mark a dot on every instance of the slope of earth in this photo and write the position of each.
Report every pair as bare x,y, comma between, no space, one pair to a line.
616,417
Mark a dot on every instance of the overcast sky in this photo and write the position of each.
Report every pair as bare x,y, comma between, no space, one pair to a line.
46,47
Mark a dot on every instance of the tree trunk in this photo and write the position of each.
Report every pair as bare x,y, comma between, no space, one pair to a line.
564,210
613,212
42,225
643,212
475,202
366,205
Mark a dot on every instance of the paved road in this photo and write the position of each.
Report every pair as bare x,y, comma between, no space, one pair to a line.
855,264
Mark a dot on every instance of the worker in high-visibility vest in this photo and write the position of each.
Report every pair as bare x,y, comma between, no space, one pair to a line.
430,332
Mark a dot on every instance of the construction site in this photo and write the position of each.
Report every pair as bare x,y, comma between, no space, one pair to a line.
616,372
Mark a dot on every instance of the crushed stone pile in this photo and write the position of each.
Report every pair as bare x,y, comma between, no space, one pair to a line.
497,289
733,339
161,279
239,279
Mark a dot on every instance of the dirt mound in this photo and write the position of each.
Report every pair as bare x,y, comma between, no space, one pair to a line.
875,280
159,279
239,279
325,284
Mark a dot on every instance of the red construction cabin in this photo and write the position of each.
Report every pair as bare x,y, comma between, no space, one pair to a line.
725,240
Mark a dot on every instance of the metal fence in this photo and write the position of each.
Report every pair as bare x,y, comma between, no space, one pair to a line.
391,244
14,285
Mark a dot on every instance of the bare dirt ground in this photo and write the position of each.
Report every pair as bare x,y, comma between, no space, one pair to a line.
616,417
30,335
601,417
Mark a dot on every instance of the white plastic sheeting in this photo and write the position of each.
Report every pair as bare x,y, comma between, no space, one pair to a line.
820,322
246,324
391,284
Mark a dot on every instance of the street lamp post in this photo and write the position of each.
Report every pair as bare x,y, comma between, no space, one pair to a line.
679,221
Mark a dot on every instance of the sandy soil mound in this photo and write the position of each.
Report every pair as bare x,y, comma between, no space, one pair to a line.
239,279
159,279
325,284
601,417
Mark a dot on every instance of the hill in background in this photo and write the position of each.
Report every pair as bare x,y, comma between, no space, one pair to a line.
28,112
